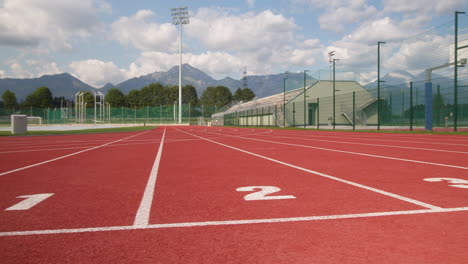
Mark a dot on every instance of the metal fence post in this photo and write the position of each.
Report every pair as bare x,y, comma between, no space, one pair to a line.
354,110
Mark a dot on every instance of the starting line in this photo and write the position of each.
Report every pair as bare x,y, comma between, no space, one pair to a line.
231,222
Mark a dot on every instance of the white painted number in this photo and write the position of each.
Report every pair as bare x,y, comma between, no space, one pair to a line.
29,202
262,193
454,182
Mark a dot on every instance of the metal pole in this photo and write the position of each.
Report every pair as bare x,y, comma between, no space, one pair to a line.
284,102
305,83
455,79
411,106
318,113
354,110
378,83
180,76
294,114
334,94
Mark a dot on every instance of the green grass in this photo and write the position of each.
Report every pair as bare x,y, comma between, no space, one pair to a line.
83,131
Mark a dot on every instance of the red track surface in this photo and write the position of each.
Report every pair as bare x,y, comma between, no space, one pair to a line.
364,195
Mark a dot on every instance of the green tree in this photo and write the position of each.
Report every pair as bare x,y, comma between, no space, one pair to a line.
237,95
41,97
247,94
115,97
9,100
171,94
88,99
147,96
189,95
133,98
61,101
218,96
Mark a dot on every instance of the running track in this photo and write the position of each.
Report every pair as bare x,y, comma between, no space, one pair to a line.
192,195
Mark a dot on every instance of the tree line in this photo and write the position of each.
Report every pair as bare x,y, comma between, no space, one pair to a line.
154,94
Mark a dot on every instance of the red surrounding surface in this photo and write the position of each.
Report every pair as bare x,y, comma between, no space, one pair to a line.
197,181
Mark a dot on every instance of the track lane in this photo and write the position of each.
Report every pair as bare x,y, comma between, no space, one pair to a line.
102,187
400,177
197,181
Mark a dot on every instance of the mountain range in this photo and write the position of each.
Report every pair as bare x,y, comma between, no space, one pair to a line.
67,85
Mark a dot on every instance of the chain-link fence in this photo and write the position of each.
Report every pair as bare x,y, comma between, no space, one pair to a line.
197,115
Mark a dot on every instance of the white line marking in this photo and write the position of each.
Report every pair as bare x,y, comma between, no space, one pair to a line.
351,152
390,140
30,201
373,145
396,196
231,222
143,213
359,153
68,155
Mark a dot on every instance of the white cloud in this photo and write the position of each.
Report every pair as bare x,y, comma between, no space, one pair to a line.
251,3
220,30
97,73
144,35
339,13
418,54
49,24
18,71
423,6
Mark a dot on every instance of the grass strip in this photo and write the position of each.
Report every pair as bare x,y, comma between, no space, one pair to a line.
82,131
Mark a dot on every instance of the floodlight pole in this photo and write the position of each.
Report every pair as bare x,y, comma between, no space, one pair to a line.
334,90
284,100
455,78
378,83
305,109
180,17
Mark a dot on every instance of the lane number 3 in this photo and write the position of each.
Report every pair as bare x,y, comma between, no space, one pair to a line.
453,182
261,192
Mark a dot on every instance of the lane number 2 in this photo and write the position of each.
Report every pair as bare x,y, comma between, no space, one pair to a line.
29,201
453,182
262,193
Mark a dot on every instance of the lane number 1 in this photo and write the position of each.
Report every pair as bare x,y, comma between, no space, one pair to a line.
29,201
453,182
262,193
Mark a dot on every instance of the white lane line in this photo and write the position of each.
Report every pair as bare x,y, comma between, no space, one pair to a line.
354,153
68,155
231,222
143,213
396,196
359,153
373,145
388,140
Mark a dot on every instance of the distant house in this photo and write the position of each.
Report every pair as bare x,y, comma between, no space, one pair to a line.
268,111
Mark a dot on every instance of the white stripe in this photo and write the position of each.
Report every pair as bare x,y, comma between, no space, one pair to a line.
373,145
143,213
68,155
231,222
351,152
358,153
399,197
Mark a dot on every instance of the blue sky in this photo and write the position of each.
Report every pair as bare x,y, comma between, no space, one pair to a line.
102,41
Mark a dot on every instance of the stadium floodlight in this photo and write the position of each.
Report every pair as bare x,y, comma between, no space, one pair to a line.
180,16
